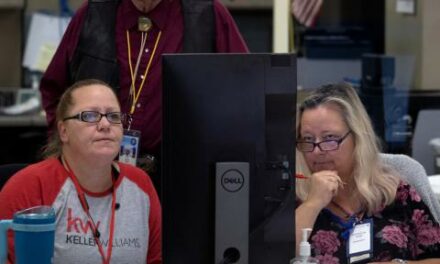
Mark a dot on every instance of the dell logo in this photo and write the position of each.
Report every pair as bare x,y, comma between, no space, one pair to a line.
232,180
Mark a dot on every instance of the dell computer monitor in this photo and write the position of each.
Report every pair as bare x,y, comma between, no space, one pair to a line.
228,156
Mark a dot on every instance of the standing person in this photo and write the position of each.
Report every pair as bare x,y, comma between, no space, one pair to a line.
106,211
121,43
359,209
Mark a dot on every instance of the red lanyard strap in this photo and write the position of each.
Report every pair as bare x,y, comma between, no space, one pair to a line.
93,226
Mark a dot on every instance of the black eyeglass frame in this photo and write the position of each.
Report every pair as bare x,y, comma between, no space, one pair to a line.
318,144
80,117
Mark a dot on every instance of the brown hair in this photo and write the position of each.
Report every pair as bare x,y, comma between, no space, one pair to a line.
54,145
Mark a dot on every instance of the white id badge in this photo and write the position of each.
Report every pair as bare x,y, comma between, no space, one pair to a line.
360,242
129,150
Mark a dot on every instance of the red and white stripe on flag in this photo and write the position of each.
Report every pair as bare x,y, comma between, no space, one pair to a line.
306,11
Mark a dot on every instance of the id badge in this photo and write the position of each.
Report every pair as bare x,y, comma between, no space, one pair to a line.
129,150
360,242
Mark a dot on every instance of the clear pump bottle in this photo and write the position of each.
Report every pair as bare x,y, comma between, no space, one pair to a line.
304,250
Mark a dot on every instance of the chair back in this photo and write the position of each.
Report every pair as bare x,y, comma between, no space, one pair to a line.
427,127
7,170
413,172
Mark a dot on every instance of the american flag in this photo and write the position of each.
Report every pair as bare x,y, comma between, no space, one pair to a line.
306,11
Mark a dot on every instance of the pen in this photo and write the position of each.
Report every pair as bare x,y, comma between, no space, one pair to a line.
301,176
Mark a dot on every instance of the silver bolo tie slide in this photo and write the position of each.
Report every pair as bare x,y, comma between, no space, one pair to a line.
144,24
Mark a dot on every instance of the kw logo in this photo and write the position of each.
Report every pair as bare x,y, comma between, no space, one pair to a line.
76,224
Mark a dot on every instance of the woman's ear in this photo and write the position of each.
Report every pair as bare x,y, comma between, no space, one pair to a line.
62,131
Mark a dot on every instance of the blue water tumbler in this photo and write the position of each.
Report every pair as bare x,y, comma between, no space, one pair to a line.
34,235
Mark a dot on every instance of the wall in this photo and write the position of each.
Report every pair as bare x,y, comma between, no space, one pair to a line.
11,42
416,35
430,39
11,45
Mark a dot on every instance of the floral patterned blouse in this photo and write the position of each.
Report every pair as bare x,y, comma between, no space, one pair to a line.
405,229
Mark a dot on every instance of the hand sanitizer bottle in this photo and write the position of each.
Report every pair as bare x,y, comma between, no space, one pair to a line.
304,250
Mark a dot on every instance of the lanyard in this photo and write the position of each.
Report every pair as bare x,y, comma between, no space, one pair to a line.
353,219
133,94
93,226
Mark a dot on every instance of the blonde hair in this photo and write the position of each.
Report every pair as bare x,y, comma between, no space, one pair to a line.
375,183
54,145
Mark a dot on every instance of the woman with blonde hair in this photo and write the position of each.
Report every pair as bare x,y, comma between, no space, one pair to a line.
359,209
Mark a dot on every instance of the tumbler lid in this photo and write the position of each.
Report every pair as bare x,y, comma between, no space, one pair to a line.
35,215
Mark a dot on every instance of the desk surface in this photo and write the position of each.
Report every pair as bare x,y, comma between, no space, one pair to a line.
36,120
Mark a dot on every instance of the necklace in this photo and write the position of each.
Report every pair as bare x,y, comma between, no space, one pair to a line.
350,219
358,215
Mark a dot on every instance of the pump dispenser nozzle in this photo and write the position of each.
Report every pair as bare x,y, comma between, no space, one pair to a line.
305,249
304,246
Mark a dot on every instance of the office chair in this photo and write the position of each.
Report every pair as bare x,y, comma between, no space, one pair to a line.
7,170
413,172
427,127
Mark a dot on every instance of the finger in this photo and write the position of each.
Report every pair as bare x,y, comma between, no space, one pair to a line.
334,180
335,189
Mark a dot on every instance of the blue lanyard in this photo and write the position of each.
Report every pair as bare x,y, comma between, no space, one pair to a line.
346,226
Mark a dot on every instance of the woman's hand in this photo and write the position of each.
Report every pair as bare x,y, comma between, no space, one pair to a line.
324,186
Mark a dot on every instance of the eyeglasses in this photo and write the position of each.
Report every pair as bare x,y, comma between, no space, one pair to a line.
95,117
325,145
